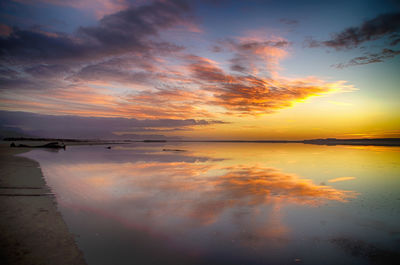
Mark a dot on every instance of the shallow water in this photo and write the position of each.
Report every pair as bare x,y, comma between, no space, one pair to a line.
229,203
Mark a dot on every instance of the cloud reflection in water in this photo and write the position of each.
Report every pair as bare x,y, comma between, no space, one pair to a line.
198,202
197,192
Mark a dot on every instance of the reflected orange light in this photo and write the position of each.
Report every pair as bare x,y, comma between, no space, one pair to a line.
202,191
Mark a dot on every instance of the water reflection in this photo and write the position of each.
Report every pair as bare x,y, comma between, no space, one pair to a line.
199,191
205,206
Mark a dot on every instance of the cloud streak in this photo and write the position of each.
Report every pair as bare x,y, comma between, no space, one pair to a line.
381,26
369,58
384,27
92,127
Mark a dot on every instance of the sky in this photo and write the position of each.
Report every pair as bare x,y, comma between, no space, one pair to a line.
221,70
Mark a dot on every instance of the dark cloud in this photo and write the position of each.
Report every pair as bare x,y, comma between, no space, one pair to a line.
31,46
129,30
140,129
395,41
369,58
256,45
40,78
216,48
130,69
384,26
7,72
290,22
103,72
90,127
12,82
250,44
47,71
121,48
373,29
237,67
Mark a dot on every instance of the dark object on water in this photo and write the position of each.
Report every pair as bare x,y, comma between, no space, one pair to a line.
174,150
12,144
49,145
108,147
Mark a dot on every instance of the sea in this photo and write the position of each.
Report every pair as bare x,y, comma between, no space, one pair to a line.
228,203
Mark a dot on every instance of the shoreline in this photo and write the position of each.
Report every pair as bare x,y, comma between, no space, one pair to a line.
327,141
32,230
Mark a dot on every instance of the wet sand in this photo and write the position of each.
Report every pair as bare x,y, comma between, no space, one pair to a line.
32,230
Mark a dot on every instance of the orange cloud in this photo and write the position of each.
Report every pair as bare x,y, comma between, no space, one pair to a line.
93,102
248,94
256,54
341,179
167,83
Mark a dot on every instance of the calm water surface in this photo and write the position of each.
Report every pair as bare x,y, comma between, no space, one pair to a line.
229,203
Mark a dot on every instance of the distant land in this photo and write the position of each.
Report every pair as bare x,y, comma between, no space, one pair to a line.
370,141
326,141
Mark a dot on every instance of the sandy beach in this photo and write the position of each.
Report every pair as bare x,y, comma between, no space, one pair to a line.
32,230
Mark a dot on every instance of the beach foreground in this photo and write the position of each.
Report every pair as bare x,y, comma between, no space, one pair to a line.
32,230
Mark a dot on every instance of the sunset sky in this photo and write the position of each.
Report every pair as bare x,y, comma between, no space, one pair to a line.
207,69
